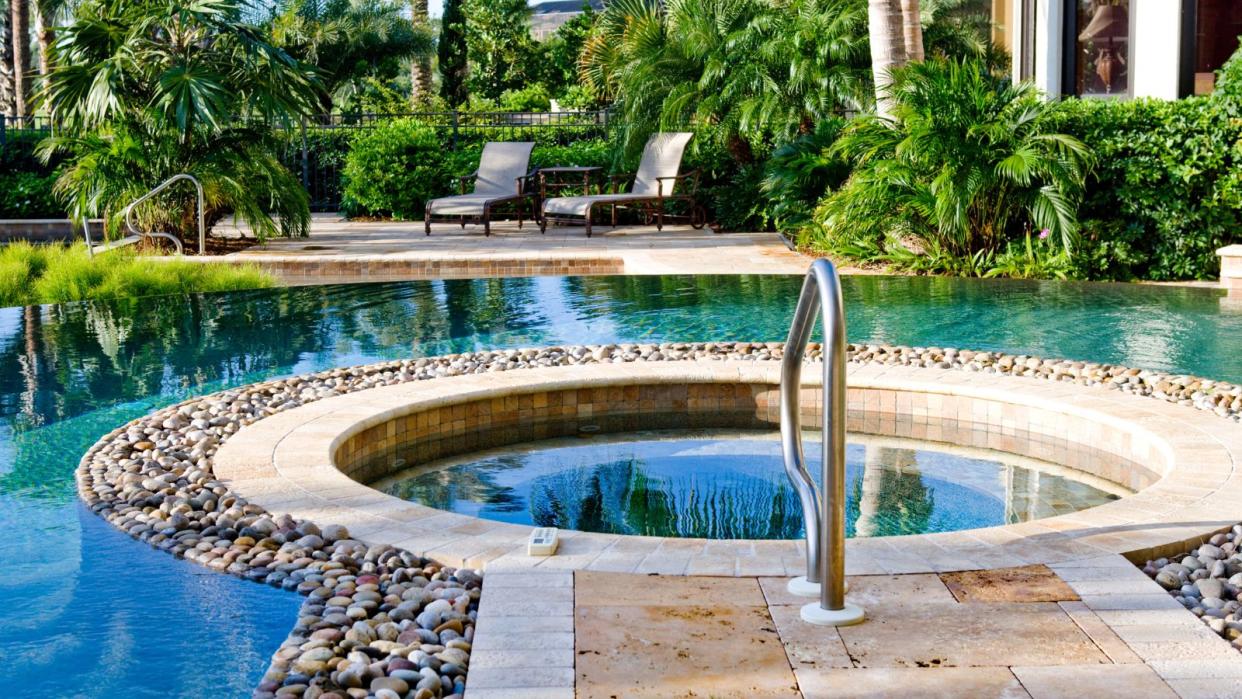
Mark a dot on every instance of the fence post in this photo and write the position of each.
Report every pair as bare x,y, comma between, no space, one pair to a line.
305,158
454,141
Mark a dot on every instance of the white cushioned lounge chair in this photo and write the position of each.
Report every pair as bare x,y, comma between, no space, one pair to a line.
502,179
654,185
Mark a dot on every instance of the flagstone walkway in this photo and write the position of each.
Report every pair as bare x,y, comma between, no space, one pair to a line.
1092,628
340,250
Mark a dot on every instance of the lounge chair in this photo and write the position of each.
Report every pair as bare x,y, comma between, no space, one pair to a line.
502,178
654,185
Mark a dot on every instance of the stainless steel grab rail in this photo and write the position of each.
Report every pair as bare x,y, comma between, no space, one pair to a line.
824,517
136,235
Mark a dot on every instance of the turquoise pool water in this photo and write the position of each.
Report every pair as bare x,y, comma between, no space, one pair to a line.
91,613
732,485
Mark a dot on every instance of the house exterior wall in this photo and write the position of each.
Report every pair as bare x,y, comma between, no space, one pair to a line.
1157,30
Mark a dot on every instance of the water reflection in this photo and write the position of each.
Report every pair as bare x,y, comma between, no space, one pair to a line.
731,485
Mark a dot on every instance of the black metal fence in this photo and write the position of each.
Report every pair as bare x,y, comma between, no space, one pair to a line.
315,149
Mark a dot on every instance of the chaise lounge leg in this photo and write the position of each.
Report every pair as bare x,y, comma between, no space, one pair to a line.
487,221
588,223
427,222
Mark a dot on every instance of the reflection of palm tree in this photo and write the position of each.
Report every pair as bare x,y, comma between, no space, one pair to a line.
903,503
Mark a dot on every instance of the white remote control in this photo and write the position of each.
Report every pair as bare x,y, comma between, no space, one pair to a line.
543,542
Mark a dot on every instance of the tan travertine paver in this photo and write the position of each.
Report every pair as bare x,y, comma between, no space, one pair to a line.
1095,681
888,682
341,251
1026,584
652,636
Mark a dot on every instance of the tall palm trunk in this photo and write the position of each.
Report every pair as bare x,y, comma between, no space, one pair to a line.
912,29
6,59
888,48
45,21
420,69
20,27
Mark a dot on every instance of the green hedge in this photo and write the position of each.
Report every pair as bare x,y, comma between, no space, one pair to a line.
392,170
1167,189
25,181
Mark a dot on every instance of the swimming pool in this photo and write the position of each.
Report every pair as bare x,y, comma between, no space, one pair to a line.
731,484
80,622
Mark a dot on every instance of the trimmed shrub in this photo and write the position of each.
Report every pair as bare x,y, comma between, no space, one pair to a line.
392,170
29,195
1167,189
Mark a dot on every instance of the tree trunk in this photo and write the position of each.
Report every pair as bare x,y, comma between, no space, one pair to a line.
912,29
888,49
45,34
420,68
20,27
6,60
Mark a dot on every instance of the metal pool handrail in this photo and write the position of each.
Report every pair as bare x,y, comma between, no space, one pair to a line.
824,517
136,235
202,227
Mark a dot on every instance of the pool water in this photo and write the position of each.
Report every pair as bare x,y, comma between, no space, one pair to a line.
85,603
732,485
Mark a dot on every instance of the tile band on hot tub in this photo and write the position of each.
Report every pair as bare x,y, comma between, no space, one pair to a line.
200,480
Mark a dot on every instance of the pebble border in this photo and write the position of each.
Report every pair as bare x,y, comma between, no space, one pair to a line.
381,622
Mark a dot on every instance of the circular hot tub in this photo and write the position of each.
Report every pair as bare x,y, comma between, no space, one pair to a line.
950,469
731,484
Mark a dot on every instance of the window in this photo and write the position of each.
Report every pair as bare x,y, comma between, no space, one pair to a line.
1102,47
1218,23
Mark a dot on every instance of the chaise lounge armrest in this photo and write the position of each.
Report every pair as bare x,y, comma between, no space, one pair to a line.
693,176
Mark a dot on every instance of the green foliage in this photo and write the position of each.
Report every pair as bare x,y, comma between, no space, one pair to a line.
532,98
29,195
969,162
355,44
593,153
750,68
150,88
561,51
800,173
502,54
452,52
1033,258
393,169
35,274
1168,189
580,97
957,28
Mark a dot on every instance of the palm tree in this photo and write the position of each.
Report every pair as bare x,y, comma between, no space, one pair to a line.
888,49
46,12
747,68
6,60
349,41
912,29
966,161
20,30
145,89
420,67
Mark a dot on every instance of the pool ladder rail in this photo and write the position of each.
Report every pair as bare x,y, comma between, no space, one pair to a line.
823,515
136,235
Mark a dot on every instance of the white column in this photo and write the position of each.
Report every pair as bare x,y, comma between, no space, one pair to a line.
1016,32
1157,48
1049,30
869,498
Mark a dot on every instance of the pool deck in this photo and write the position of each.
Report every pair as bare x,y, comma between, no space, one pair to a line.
1052,609
345,251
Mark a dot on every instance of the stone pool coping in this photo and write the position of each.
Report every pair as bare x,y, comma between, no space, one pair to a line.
284,463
